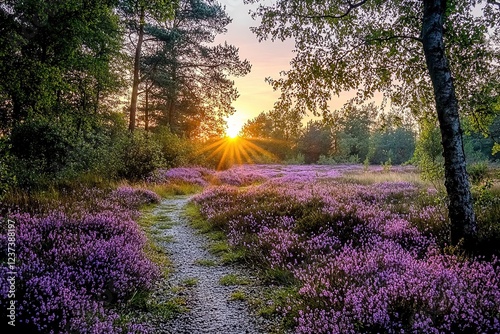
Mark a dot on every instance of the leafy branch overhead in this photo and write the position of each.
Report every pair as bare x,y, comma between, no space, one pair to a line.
372,46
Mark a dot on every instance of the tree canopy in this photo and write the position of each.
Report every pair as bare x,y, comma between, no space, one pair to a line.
376,46
188,75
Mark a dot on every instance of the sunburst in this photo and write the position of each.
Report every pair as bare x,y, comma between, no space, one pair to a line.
235,150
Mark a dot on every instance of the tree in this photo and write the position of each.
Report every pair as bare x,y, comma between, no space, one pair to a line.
351,131
408,50
137,15
315,142
56,59
188,74
274,132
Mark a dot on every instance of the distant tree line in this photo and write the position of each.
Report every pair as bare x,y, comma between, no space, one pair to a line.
363,134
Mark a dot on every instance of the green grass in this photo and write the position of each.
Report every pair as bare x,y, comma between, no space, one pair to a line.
238,295
219,245
233,256
206,263
168,309
164,238
233,279
153,251
274,299
164,225
196,220
190,282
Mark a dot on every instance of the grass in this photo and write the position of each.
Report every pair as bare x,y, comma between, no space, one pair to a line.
238,295
190,282
196,220
368,178
219,245
233,279
164,225
166,190
233,256
273,300
169,308
206,263
164,238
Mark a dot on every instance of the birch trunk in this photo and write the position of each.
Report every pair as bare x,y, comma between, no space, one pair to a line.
461,213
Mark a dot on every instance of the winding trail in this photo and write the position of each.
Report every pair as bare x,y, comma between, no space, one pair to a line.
210,309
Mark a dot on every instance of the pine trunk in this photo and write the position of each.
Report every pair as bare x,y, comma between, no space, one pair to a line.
461,212
135,85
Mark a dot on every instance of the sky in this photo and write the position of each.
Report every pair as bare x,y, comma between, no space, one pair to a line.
267,59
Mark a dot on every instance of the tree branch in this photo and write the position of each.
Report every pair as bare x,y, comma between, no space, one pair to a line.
385,39
349,10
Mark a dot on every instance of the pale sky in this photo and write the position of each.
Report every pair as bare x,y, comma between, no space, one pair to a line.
267,59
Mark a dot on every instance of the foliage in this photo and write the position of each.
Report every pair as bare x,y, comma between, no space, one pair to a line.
396,144
274,132
176,151
351,132
315,141
7,176
340,48
187,77
56,58
41,149
141,156
477,172
428,152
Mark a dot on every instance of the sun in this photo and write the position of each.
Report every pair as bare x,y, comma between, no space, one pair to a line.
232,132
234,124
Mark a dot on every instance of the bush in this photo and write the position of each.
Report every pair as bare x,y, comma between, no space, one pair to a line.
7,177
397,145
176,151
141,156
40,149
477,172
428,153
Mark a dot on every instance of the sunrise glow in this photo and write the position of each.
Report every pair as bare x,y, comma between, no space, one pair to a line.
234,124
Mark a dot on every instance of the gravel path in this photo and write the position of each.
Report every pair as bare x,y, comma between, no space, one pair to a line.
209,304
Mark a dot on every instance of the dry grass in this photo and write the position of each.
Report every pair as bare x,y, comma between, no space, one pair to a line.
373,177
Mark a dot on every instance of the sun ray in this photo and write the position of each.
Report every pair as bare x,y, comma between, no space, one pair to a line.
237,150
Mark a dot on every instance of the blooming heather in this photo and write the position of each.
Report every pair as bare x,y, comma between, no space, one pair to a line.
73,265
368,258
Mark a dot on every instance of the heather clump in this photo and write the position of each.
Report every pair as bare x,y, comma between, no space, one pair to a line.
75,264
194,175
134,198
364,258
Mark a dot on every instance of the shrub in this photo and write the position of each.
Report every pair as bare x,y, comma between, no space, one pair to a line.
142,155
477,171
365,258
176,151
